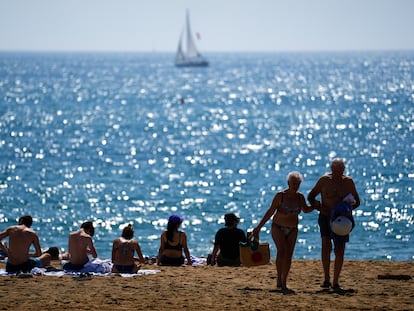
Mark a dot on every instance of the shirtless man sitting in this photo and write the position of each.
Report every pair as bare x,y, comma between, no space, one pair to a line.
21,237
80,246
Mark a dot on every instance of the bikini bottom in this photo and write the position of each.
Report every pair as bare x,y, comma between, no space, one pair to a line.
124,268
286,229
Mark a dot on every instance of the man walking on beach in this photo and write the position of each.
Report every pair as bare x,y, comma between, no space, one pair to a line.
333,188
80,246
21,237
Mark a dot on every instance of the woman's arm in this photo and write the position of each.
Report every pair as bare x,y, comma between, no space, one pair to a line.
186,251
272,209
114,246
161,249
139,252
305,208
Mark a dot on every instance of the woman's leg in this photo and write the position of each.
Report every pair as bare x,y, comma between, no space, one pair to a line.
290,242
285,245
280,242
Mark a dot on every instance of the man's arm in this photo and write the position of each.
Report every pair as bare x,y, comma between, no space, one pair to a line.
316,190
4,234
3,247
36,244
354,192
92,249
214,254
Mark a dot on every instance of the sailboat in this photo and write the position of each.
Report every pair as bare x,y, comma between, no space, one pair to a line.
188,57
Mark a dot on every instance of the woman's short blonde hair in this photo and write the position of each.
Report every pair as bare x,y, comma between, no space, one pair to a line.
295,175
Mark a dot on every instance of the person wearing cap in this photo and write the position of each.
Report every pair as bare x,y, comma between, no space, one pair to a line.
173,243
226,251
285,209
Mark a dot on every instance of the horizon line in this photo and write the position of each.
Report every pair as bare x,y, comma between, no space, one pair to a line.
205,52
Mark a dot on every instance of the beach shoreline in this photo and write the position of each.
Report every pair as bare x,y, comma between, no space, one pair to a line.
218,288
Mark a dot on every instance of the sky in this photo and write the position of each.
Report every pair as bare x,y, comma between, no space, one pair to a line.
223,25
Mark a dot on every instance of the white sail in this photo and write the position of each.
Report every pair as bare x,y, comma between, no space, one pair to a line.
190,56
191,48
180,53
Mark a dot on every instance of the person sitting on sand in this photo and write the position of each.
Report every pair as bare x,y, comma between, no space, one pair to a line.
80,246
123,250
43,261
227,243
285,209
21,237
173,242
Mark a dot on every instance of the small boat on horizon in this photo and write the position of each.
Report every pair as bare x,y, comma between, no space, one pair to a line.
189,57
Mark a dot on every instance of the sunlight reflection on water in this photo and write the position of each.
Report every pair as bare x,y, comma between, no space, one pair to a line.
129,138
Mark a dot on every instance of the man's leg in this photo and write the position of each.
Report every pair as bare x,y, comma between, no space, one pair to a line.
326,258
339,261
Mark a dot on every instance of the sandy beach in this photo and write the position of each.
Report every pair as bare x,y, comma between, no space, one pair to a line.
218,288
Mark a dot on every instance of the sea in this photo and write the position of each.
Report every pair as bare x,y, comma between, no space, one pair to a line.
128,138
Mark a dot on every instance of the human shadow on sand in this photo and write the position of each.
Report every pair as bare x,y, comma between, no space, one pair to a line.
332,291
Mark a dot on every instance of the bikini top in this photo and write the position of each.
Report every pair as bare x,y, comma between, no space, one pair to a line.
286,209
177,247
125,248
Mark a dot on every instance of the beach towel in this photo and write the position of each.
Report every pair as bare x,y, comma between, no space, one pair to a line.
95,267
60,273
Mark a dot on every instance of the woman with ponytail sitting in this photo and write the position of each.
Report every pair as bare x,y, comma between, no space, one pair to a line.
173,243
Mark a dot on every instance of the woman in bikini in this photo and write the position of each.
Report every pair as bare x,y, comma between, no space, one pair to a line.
285,209
123,250
173,243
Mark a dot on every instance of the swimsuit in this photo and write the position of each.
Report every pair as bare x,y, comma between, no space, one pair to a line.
170,261
125,249
177,247
72,267
325,229
285,229
38,262
286,209
124,268
24,267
